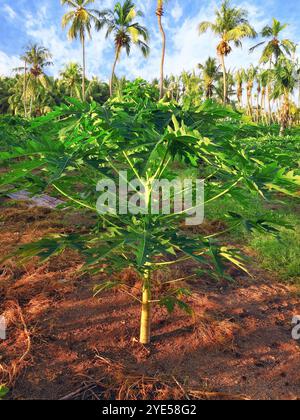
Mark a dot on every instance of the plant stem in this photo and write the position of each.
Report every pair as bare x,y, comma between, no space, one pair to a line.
145,335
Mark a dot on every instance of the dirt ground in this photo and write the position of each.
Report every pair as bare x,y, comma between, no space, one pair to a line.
65,344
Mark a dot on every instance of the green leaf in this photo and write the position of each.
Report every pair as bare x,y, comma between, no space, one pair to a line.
3,391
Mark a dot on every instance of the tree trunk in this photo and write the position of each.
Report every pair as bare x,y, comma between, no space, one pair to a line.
263,103
240,96
159,14
258,109
25,89
224,78
83,68
249,106
145,335
113,73
31,106
285,114
269,105
269,97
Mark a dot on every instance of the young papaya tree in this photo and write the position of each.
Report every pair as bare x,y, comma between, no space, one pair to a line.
141,138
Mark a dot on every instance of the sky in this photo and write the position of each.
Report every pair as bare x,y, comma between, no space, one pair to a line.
39,21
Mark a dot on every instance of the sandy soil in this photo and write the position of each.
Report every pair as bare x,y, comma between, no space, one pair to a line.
63,343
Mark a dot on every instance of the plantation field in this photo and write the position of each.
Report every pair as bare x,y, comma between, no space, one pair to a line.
221,319
237,344
149,203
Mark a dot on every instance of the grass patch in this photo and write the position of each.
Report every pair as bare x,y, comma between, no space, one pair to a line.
279,254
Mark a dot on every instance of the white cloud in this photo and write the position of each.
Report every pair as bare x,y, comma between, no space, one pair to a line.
64,50
9,12
177,12
8,63
185,48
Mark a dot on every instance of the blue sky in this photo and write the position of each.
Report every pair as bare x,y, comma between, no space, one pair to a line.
24,21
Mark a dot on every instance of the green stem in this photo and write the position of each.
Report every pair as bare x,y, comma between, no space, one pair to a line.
145,334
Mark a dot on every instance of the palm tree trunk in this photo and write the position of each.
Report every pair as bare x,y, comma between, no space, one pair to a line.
269,105
249,105
31,106
240,95
269,97
285,114
263,103
83,67
145,334
224,78
159,14
113,72
25,89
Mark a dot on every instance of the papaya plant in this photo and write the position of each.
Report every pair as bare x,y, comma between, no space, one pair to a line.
147,140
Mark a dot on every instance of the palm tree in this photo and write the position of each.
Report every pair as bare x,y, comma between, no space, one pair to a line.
173,87
259,89
231,25
159,14
24,58
120,22
250,76
15,99
262,79
71,79
36,58
97,91
210,74
285,80
80,19
274,48
239,79
5,86
297,65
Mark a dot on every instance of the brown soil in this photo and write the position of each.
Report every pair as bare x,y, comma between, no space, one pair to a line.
62,342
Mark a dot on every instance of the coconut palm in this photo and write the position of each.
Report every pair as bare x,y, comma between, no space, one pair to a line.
231,87
239,79
172,85
127,32
258,93
80,18
210,73
15,99
6,84
24,58
37,59
285,80
159,14
297,64
274,47
231,25
97,91
250,76
40,99
71,79
262,78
